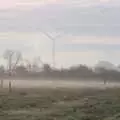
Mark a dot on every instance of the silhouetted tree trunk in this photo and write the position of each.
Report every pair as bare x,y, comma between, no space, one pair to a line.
1,83
10,87
13,58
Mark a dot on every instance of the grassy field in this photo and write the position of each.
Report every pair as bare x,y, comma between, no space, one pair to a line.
60,104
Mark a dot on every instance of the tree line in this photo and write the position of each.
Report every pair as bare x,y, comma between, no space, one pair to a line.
17,67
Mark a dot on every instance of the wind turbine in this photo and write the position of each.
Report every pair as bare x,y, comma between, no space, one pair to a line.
53,45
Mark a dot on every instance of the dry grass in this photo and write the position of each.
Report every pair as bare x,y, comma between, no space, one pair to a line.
60,104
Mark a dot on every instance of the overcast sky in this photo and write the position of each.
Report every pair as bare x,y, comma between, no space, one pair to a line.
90,29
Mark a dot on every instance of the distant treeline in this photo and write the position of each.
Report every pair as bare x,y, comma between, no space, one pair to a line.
74,72
17,66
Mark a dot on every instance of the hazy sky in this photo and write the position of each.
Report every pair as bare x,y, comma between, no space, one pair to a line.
90,29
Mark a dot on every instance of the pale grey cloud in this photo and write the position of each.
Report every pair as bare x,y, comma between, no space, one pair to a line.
88,57
92,40
75,20
21,28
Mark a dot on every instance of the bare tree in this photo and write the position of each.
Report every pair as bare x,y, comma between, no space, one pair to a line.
8,54
18,58
28,64
13,58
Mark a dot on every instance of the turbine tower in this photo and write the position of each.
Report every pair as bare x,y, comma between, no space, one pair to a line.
53,46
